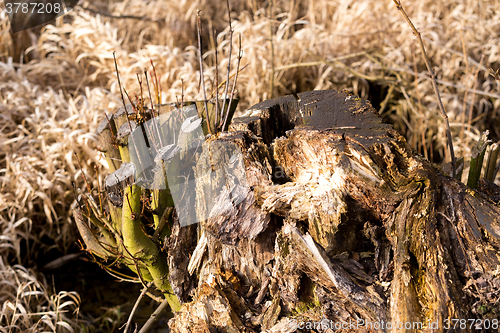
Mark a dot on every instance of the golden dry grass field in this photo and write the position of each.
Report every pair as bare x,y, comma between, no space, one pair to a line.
57,82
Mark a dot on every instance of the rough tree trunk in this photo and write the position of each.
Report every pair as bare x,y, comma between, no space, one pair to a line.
343,228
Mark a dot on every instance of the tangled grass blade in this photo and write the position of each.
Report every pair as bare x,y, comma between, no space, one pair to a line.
47,320
66,326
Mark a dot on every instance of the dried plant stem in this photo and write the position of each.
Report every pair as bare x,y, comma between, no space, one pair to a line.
226,88
434,85
216,122
123,99
490,172
154,316
476,161
224,82
202,78
156,87
141,100
136,305
155,122
240,55
98,188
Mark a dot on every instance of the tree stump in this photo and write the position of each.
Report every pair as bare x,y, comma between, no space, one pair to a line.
341,227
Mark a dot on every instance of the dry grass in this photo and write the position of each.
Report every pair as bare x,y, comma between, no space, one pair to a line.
50,106
27,306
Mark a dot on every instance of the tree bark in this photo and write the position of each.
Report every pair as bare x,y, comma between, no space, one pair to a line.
343,227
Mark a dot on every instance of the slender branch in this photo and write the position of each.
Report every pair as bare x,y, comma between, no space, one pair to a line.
240,55
154,121
98,188
154,316
216,122
121,93
141,100
157,87
149,92
202,79
434,85
136,305
228,63
224,82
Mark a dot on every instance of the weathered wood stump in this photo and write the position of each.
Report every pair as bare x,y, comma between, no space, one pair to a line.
343,227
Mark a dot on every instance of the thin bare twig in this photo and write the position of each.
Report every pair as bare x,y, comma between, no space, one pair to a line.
202,79
154,121
98,188
434,85
216,122
149,91
136,305
154,316
157,87
240,55
228,63
121,93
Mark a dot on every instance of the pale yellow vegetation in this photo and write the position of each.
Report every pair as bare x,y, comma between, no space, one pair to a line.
51,105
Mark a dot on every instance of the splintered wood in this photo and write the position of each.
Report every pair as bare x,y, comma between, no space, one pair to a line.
341,223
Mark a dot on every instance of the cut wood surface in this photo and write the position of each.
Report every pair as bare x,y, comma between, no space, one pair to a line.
341,227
